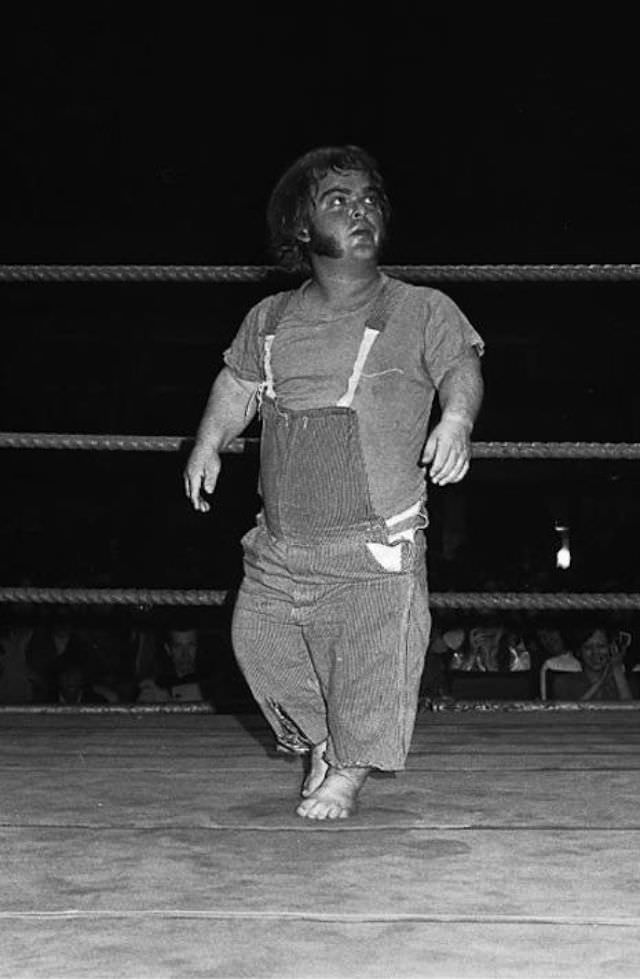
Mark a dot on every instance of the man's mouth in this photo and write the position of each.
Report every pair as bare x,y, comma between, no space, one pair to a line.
362,229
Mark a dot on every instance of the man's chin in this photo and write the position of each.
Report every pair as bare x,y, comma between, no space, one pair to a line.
366,241
364,249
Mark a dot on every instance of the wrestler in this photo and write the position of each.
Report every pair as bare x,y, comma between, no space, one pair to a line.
332,621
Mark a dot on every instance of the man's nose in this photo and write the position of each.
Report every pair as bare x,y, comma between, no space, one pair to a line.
358,208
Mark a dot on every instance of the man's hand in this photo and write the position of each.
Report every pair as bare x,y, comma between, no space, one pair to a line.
448,449
201,475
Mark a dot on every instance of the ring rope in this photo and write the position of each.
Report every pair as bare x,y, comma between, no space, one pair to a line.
426,704
145,597
487,601
259,273
167,443
443,273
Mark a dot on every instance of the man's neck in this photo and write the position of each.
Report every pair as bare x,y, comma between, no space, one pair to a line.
341,287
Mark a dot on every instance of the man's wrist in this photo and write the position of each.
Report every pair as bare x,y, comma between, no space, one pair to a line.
458,416
206,443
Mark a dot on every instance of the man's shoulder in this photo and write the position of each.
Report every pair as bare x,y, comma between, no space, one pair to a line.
260,314
400,291
272,298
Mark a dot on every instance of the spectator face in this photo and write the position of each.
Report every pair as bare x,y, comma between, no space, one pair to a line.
454,639
71,685
182,648
595,651
551,641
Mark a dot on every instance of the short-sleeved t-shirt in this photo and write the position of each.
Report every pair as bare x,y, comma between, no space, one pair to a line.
312,359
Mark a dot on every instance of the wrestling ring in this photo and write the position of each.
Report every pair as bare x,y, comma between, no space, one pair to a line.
158,840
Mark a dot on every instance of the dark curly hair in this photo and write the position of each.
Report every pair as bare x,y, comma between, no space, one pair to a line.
288,207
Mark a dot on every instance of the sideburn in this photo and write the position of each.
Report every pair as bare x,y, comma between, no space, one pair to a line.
320,244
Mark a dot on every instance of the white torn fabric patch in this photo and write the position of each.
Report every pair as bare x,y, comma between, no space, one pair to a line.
388,556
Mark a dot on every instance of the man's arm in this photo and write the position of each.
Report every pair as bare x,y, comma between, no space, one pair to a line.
230,408
448,447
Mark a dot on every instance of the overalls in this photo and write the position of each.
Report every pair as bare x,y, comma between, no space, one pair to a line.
331,623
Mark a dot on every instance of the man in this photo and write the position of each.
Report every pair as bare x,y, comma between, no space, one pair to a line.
332,622
175,671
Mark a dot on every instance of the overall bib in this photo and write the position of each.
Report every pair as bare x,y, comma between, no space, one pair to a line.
331,623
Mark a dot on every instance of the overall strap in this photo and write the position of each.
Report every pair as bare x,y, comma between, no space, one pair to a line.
377,318
274,314
374,325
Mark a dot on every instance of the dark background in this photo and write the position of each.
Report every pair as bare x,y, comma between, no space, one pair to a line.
157,140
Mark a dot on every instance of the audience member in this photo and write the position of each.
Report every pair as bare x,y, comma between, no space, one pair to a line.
594,671
556,658
15,679
60,656
173,669
27,658
519,657
491,648
434,683
74,684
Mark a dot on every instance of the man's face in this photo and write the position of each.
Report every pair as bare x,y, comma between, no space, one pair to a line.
345,218
551,642
182,648
71,684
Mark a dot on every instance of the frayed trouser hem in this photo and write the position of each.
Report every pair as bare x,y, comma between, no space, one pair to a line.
372,765
389,768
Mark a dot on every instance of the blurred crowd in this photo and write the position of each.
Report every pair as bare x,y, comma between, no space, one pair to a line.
569,658
103,656
70,658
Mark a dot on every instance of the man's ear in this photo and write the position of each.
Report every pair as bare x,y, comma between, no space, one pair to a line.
303,234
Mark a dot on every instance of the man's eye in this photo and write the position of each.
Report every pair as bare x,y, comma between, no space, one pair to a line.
338,200
372,200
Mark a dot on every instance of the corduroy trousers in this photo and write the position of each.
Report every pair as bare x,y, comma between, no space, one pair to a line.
332,643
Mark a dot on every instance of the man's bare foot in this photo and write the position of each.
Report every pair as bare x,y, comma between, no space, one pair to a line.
336,797
318,768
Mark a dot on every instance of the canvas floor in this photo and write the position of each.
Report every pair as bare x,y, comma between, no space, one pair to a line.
166,845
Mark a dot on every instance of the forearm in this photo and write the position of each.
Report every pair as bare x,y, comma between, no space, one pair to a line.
229,409
622,684
461,390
